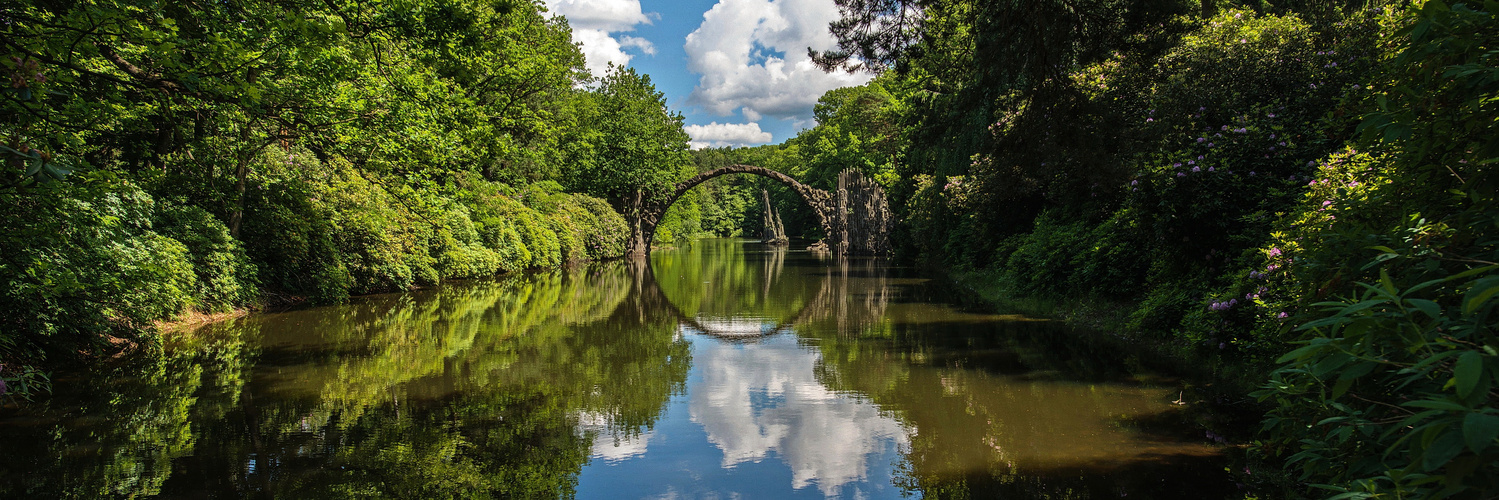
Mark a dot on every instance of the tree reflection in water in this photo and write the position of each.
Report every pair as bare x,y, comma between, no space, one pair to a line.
468,390
812,377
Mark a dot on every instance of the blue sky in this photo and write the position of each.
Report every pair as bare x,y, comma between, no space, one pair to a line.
737,69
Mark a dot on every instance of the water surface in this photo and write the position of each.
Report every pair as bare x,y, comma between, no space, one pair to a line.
724,369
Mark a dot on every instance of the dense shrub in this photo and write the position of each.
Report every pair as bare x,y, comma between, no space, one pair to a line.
225,276
82,264
1388,271
293,239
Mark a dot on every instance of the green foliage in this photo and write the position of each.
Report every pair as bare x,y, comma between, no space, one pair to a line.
294,240
1390,394
81,263
302,151
1213,172
1393,394
225,276
586,227
855,129
639,146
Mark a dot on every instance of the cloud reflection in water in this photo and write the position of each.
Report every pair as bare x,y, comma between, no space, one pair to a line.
759,398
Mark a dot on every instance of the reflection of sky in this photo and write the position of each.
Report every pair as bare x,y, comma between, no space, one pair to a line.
612,445
755,423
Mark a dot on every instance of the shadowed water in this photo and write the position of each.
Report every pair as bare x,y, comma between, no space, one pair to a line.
721,369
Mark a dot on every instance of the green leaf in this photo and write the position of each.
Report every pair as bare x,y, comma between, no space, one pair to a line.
1469,369
1423,285
1341,388
1299,353
1480,430
1358,370
1436,404
1471,272
1442,450
1426,307
1480,293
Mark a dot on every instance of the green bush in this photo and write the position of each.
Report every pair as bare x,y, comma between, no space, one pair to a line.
291,238
1042,261
82,265
599,231
225,276
459,251
1392,393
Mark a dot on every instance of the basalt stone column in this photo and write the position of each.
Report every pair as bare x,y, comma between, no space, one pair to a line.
775,232
865,214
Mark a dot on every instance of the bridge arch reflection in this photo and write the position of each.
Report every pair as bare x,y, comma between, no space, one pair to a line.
706,292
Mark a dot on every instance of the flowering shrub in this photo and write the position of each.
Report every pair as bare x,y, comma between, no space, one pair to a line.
1391,393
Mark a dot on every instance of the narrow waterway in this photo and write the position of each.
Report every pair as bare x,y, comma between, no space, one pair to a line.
722,369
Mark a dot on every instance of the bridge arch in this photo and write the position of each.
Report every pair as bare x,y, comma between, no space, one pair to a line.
831,209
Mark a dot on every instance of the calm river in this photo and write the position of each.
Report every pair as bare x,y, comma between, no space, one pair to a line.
724,369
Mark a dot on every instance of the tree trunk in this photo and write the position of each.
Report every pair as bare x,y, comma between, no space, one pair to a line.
240,171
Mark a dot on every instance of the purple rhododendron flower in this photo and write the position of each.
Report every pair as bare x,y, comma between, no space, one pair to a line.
1196,169
1282,315
1135,182
1179,174
1210,169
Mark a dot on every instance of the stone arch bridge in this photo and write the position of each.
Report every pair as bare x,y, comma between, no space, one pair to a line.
855,219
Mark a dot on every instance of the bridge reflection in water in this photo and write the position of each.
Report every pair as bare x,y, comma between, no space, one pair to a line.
723,368
847,377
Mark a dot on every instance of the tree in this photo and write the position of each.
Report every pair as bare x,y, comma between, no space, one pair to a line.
638,146
635,151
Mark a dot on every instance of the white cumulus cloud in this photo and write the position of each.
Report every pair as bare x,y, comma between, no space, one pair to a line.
717,135
751,56
594,23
